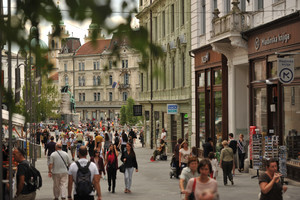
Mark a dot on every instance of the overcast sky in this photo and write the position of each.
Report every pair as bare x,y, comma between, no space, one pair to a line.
77,29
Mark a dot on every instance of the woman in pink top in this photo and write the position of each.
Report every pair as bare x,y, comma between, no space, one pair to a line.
204,187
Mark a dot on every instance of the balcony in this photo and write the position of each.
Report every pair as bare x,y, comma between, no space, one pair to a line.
124,86
230,25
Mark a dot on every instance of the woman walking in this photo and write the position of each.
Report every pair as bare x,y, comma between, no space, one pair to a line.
203,186
106,142
111,163
91,146
184,153
124,140
226,162
241,152
129,160
64,142
98,160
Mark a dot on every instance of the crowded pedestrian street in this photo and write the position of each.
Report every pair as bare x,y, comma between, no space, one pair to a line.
152,181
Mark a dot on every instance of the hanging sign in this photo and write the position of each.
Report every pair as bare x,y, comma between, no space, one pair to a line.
285,70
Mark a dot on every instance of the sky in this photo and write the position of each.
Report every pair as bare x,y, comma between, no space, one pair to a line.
76,29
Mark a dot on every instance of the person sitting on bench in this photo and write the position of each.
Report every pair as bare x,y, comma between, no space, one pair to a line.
160,150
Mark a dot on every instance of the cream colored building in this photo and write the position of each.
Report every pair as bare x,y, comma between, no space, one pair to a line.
170,26
99,87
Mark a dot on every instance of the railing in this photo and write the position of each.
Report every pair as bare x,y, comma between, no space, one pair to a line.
124,86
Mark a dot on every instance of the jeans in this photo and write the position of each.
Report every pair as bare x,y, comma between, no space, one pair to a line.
241,160
60,182
111,177
227,168
128,177
30,196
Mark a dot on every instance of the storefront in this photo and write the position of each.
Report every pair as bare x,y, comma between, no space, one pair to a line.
211,96
275,106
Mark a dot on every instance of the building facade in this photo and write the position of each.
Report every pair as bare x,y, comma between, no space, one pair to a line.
100,82
242,40
169,25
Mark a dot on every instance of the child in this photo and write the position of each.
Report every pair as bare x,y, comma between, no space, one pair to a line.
214,164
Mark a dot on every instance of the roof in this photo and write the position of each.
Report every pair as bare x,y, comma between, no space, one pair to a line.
117,41
93,48
54,76
71,45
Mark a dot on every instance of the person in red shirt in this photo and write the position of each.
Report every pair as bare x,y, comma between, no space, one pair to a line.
111,163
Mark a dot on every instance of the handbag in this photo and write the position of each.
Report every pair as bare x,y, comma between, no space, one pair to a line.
192,195
122,168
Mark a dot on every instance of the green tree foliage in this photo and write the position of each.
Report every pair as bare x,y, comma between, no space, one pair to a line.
127,113
123,119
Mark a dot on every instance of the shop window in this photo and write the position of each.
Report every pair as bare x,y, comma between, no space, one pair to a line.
273,70
260,70
201,117
291,126
218,76
218,117
201,79
260,109
208,78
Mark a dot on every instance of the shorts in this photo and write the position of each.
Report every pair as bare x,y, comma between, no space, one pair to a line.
73,148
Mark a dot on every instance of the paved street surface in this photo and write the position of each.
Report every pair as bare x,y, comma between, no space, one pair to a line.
153,182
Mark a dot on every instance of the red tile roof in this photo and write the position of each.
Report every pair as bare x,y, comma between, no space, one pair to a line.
54,76
93,48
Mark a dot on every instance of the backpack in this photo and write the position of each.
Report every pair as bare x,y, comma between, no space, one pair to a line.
33,178
117,140
84,185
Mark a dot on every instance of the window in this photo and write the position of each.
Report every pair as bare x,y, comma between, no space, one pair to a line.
126,79
141,2
203,17
260,4
183,70
110,80
98,80
65,67
83,81
163,23
110,63
173,72
66,80
125,96
94,80
79,81
182,12
243,5
165,75
215,4
95,96
172,18
155,28
83,96
95,65
98,65
142,82
227,6
79,66
110,96
82,66
98,96
124,63
79,96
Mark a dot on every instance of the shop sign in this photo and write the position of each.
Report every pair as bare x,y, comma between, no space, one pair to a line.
205,58
285,70
172,109
283,38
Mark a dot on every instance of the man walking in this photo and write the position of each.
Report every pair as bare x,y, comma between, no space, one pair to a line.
85,176
24,192
50,147
233,145
58,170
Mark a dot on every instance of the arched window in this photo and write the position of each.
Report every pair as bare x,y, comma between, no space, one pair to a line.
110,80
98,80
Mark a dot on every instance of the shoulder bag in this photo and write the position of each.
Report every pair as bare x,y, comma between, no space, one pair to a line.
63,161
192,195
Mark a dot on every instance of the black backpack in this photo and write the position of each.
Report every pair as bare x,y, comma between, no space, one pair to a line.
117,140
33,178
84,185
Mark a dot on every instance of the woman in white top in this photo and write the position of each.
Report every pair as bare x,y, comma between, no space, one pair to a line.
64,143
214,164
72,146
184,154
